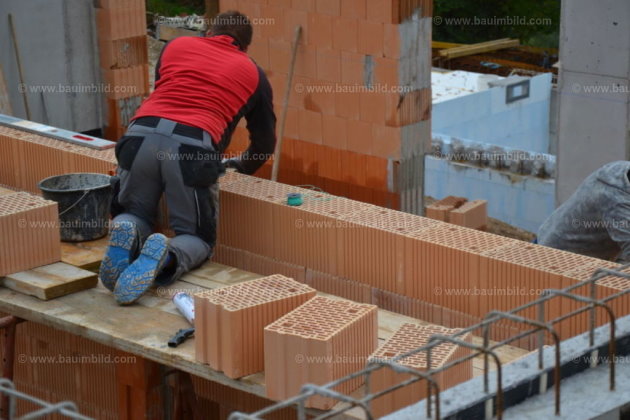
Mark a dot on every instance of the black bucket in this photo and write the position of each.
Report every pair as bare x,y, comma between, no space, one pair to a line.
84,203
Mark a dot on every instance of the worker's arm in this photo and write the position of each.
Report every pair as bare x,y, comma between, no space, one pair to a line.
617,221
261,124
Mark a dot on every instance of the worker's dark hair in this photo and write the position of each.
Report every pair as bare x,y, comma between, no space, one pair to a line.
234,24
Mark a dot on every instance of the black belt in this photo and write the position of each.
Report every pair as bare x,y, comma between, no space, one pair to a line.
180,129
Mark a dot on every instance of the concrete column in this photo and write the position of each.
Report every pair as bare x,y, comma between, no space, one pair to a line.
594,80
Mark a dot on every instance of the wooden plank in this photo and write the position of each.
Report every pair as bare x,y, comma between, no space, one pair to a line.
143,329
5,191
5,101
51,281
479,48
167,33
85,255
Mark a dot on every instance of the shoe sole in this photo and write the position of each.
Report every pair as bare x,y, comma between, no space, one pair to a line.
117,256
140,275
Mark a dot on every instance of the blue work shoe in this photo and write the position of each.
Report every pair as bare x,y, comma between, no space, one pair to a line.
122,243
140,275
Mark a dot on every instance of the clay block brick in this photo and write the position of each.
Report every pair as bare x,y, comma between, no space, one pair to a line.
320,101
346,32
409,337
328,7
355,9
30,232
320,32
320,341
352,68
310,126
371,38
473,214
127,52
386,141
293,18
372,107
386,73
359,136
230,321
279,57
334,132
440,210
374,242
382,11
408,108
338,286
275,29
391,44
119,23
127,82
348,105
329,65
259,52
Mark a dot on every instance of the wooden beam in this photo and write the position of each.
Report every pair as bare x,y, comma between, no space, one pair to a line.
482,47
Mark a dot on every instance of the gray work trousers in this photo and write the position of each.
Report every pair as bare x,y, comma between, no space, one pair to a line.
155,161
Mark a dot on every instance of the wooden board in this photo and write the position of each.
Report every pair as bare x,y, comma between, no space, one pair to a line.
51,281
85,255
168,33
482,47
5,191
5,102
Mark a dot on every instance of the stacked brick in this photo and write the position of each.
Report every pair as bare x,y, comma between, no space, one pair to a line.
121,26
407,338
440,210
30,232
443,273
229,321
460,211
28,158
358,107
322,340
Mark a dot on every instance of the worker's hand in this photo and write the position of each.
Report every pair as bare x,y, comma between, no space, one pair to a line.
230,165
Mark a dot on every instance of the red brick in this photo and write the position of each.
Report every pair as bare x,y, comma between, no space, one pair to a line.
305,5
310,126
320,32
328,7
334,132
408,108
345,329
329,66
230,321
293,18
346,33
377,174
386,141
391,45
306,62
360,136
473,214
352,68
279,56
30,233
371,38
320,101
274,30
409,337
355,9
348,105
372,107
291,125
259,51
386,72
381,11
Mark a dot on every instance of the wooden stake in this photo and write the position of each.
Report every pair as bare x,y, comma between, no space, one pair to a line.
285,104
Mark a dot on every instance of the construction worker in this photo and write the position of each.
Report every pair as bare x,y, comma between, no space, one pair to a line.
595,220
174,145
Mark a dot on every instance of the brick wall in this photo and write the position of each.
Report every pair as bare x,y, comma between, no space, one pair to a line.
122,41
339,135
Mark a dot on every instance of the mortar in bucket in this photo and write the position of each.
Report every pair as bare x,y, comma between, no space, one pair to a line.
84,204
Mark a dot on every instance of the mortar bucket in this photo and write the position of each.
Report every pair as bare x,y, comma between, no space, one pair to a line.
84,204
